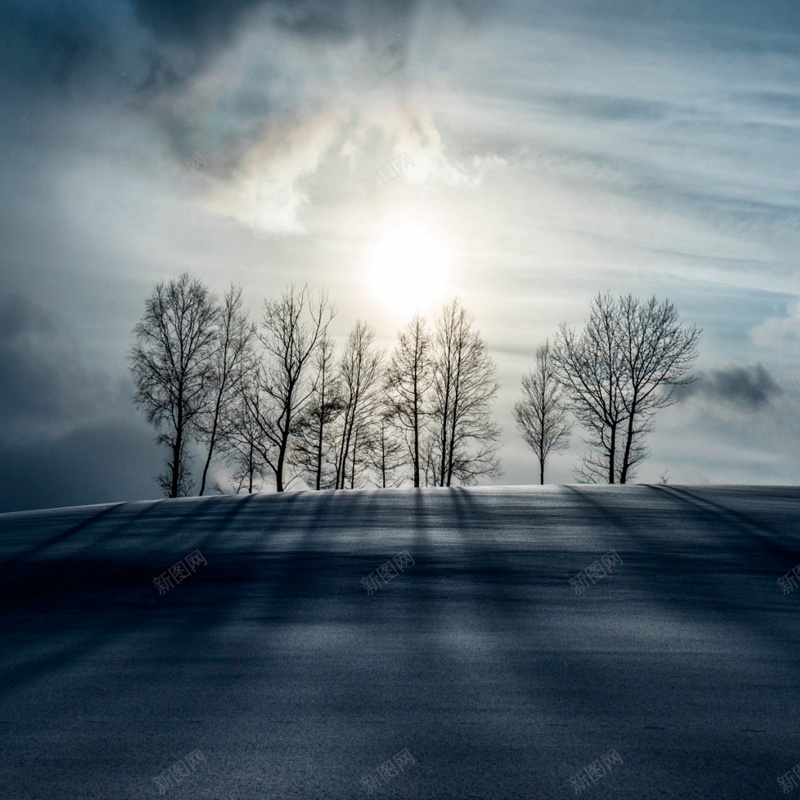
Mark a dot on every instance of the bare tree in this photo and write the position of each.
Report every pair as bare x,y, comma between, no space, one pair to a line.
360,375
242,441
590,369
463,388
658,352
314,449
429,457
445,363
234,339
542,417
291,331
613,374
408,381
384,450
171,364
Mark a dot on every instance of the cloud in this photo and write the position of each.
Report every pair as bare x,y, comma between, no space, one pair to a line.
747,388
611,109
268,143
780,333
107,462
67,432
54,48
271,93
44,380
189,34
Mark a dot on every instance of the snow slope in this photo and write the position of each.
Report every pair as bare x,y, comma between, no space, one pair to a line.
479,659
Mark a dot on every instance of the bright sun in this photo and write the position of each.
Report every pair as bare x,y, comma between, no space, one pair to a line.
409,270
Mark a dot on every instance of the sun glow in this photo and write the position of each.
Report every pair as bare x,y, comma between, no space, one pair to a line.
409,270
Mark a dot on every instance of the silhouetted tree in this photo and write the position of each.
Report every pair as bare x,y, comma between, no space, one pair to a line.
290,333
314,447
614,374
542,418
360,381
408,381
385,452
590,368
233,341
171,364
464,385
658,352
242,441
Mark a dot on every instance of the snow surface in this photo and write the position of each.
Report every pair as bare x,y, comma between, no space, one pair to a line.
479,659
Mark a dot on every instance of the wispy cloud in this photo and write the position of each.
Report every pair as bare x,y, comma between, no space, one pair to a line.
748,388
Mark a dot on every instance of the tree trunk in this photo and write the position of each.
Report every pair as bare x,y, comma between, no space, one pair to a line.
347,433
176,459
176,448
452,448
383,457
353,467
454,418
443,464
612,453
320,441
212,441
287,426
627,455
279,466
319,452
208,460
416,432
321,429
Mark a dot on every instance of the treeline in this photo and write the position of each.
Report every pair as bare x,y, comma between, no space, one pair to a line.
274,400
611,378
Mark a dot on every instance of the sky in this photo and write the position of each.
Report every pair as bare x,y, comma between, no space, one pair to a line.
553,151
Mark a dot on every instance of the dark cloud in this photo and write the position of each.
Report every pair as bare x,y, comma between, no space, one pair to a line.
44,380
67,433
191,20
209,23
95,464
145,57
186,38
206,26
787,102
715,14
316,19
748,388
56,46
610,109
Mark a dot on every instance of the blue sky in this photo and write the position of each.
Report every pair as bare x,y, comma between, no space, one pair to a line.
558,151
